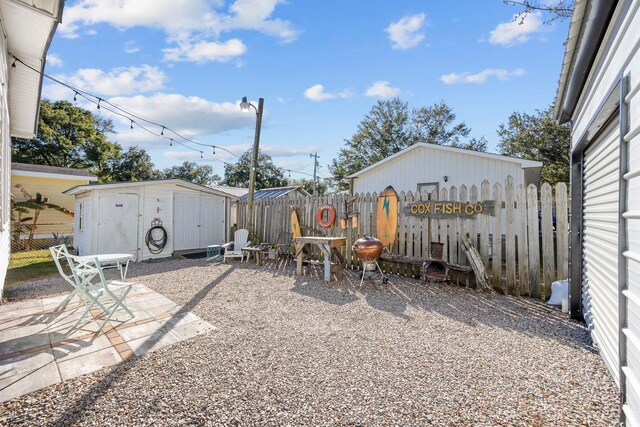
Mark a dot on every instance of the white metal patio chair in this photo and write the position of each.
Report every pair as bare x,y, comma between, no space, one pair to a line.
60,253
241,240
89,276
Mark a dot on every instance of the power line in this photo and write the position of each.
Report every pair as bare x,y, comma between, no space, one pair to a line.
102,103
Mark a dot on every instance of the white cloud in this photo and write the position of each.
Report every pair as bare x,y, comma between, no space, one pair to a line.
119,81
381,89
203,51
191,24
131,47
407,32
54,60
317,93
517,31
188,115
482,76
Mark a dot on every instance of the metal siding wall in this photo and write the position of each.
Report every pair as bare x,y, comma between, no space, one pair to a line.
425,165
631,330
600,243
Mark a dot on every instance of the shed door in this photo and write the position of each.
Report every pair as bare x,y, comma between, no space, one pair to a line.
600,243
211,220
118,218
186,221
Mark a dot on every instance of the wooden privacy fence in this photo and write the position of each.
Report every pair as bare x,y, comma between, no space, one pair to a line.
531,223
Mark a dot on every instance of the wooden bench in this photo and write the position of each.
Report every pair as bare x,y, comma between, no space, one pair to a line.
458,274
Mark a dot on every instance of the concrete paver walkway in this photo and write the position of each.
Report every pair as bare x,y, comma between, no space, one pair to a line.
39,346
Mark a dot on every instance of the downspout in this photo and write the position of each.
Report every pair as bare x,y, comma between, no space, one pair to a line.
598,16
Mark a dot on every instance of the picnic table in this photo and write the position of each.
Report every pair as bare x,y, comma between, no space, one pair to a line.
330,247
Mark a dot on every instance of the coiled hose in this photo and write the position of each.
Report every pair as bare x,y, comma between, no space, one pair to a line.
156,245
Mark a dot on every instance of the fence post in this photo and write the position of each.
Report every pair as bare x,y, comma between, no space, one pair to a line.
548,253
484,226
496,241
462,226
524,285
453,230
473,222
562,231
442,224
510,236
534,240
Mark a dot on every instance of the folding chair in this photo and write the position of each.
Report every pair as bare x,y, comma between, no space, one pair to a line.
89,277
60,252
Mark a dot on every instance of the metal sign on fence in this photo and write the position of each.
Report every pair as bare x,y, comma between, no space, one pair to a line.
444,210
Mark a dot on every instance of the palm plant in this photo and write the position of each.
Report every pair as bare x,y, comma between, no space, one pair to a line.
37,204
18,221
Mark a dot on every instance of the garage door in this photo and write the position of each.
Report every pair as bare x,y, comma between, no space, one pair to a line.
198,220
600,243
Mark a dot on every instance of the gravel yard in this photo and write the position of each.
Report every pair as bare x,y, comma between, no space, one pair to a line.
293,350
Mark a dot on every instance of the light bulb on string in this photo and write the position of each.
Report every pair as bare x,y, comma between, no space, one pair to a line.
14,63
162,131
214,149
131,124
99,100
75,97
201,155
171,143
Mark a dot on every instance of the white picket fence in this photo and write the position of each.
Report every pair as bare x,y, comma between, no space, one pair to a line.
532,252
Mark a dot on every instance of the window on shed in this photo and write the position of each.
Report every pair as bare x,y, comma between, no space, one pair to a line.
80,216
428,187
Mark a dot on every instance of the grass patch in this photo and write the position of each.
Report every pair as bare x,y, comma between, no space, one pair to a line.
30,265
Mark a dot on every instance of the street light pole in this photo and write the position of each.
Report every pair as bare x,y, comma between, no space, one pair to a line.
244,105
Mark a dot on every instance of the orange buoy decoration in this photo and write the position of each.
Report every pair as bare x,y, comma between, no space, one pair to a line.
320,216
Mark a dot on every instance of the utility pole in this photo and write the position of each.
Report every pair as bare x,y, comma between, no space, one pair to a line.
315,158
244,105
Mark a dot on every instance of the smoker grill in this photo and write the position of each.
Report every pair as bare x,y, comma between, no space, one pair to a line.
368,250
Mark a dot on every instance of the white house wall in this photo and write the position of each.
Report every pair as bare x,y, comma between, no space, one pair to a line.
423,165
5,164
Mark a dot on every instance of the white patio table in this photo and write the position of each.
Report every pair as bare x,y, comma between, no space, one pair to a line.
119,261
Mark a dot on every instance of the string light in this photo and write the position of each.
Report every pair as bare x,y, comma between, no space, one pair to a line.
101,104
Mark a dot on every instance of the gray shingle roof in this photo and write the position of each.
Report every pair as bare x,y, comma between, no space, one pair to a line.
51,169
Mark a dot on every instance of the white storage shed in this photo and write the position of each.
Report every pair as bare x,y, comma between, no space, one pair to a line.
426,167
599,93
116,217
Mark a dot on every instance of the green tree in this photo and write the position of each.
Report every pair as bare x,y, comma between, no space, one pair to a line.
538,137
69,136
307,184
390,127
435,125
192,172
133,165
268,175
385,130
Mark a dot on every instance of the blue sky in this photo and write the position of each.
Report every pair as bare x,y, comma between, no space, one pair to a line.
320,66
